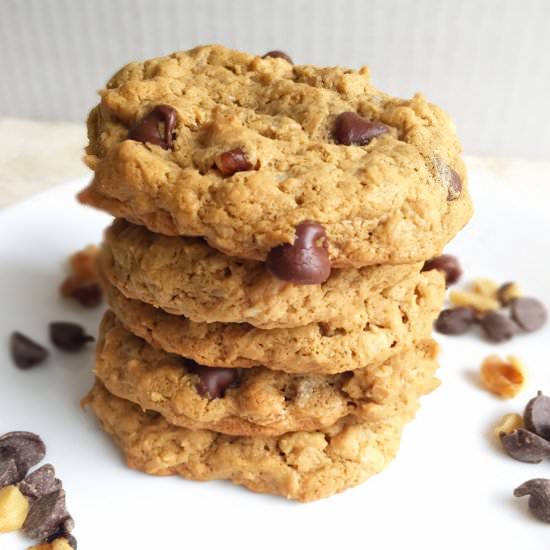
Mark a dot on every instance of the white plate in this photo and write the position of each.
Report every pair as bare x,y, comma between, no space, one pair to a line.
450,487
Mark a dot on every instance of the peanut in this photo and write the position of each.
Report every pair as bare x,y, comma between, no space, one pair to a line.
509,292
485,287
508,423
479,302
14,508
503,378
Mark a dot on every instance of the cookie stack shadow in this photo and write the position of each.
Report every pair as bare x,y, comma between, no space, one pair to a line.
284,373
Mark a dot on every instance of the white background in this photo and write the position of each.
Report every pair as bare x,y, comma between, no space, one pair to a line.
486,61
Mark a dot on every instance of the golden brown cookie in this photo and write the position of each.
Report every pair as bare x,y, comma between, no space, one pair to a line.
303,466
187,277
256,401
320,348
241,150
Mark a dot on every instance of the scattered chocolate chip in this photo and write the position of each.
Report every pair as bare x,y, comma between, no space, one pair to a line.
528,313
280,54
61,534
455,321
536,416
47,515
213,381
88,295
539,497
147,130
26,448
448,264
455,185
497,327
9,473
306,261
525,446
26,353
352,129
69,336
40,483
232,161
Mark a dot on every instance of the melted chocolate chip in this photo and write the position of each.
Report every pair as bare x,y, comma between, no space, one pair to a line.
147,130
525,446
528,313
539,497
40,483
26,448
448,264
280,54
213,381
69,336
455,321
47,515
306,261
497,327
455,185
26,353
537,415
233,161
352,129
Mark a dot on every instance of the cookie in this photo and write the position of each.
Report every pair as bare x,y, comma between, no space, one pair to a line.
303,466
241,150
255,401
320,348
187,277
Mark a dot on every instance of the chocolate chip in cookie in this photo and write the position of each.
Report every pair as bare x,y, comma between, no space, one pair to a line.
233,161
213,381
279,54
304,262
148,129
447,264
455,185
352,129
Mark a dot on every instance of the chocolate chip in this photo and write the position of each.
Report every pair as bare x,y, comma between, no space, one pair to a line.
61,534
69,336
88,295
455,185
27,449
213,381
539,497
9,473
306,261
528,313
280,54
232,161
40,483
455,321
448,264
497,327
47,515
525,446
536,416
147,130
352,129
26,353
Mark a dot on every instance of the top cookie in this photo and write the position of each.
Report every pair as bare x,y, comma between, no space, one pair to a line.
241,150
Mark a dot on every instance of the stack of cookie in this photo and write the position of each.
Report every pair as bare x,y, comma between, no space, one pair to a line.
270,321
